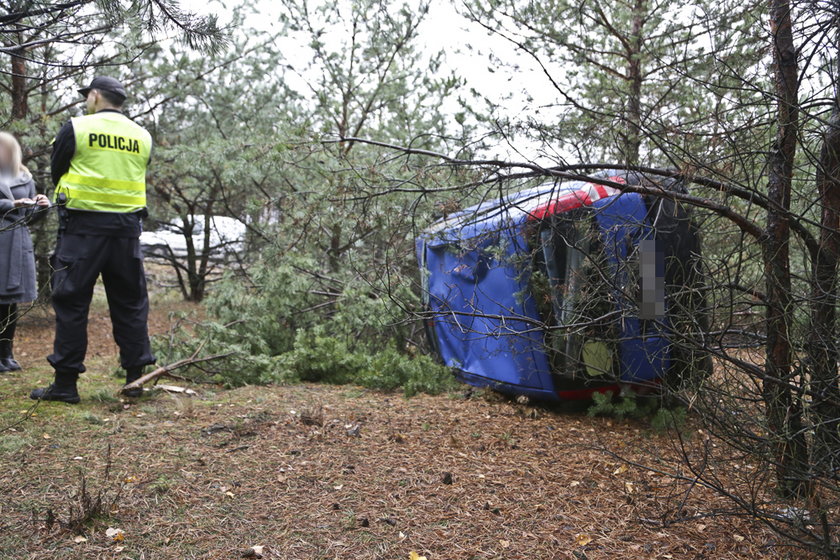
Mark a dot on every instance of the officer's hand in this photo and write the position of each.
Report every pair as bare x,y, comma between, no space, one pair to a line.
42,201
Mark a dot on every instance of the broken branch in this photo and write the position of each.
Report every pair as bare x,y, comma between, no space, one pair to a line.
167,369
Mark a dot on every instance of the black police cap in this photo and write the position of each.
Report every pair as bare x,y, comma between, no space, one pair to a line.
105,83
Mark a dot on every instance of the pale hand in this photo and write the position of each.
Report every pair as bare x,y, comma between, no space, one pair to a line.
24,202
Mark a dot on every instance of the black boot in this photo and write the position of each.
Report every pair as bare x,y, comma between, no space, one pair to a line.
4,368
133,374
8,324
7,358
63,389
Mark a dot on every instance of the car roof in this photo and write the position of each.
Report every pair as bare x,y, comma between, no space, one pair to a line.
505,211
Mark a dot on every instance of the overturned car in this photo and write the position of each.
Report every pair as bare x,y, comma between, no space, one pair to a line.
564,289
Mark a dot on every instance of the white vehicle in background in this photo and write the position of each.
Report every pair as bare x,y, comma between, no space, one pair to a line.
226,239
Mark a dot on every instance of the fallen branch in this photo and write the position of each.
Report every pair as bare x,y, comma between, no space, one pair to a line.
26,416
167,369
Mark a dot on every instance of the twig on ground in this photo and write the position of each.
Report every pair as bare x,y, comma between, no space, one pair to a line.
26,416
167,369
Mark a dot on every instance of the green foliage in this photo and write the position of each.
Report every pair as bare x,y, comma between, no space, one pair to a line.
415,374
283,296
265,310
634,407
625,407
666,419
628,75
282,324
319,358
243,365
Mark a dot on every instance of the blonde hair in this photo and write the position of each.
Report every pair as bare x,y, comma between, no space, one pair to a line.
9,141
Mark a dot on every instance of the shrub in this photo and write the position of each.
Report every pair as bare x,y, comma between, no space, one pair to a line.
604,404
632,406
247,362
418,374
317,357
283,325
325,359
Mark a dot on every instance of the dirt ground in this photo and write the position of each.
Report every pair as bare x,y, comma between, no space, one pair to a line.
318,472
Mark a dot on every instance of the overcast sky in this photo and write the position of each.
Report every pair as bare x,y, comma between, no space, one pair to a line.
445,29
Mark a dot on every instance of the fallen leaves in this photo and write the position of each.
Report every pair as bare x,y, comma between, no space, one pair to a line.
255,551
553,497
116,535
175,389
582,539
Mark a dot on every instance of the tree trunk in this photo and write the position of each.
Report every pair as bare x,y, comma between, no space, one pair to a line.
823,337
633,138
334,256
20,104
783,409
43,231
193,277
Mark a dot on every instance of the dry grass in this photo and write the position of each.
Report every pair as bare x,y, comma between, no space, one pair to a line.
318,472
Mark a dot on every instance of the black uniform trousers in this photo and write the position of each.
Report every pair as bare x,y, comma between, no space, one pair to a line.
81,255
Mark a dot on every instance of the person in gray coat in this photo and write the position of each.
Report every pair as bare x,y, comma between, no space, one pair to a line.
19,205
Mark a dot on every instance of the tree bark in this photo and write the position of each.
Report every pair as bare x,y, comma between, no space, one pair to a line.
20,103
334,254
633,140
823,339
783,409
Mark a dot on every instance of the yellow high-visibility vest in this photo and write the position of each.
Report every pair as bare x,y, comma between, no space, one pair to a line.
108,170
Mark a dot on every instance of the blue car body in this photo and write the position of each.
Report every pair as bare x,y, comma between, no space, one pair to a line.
483,319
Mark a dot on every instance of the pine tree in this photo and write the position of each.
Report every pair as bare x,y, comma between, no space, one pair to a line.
631,76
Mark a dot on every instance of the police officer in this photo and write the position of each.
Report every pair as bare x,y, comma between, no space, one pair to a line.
99,168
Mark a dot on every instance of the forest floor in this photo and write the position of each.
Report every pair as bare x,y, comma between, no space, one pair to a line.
334,472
